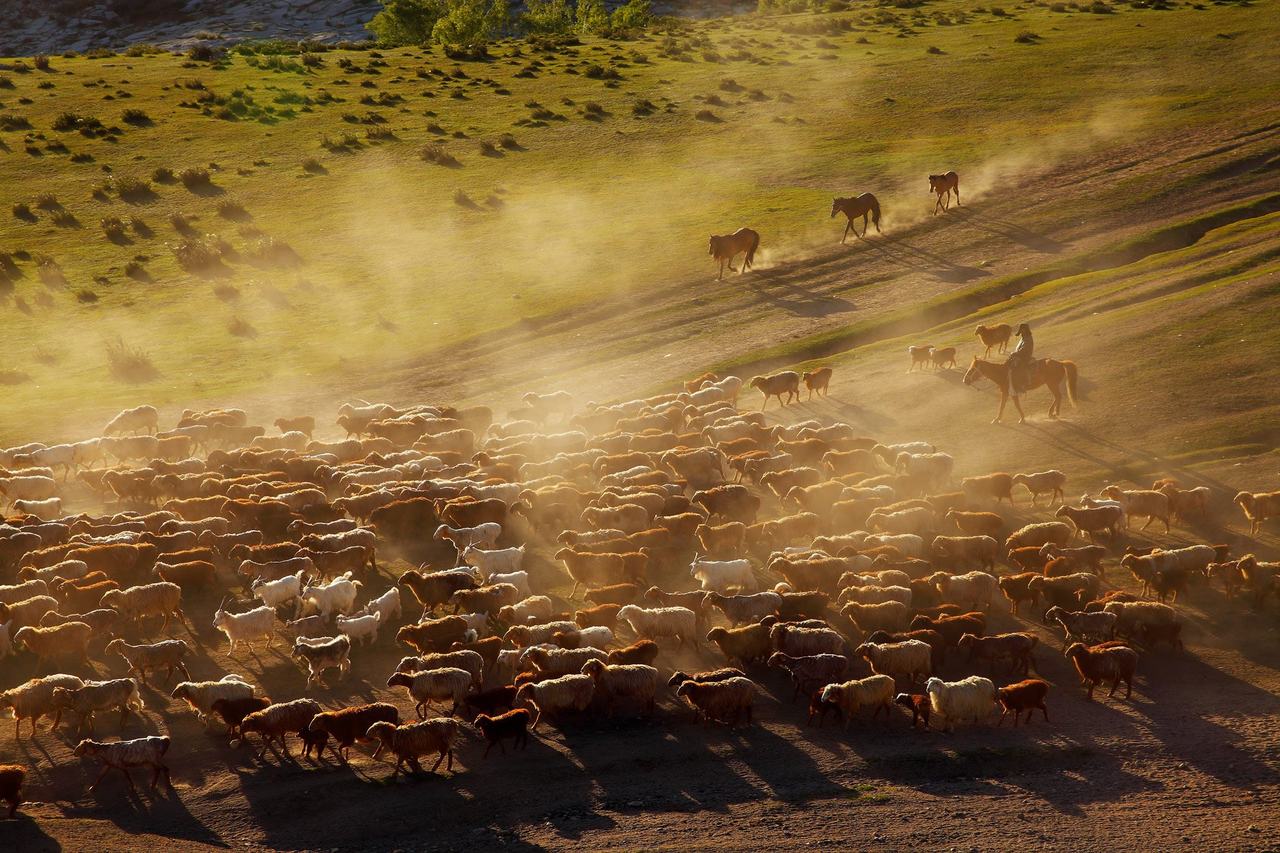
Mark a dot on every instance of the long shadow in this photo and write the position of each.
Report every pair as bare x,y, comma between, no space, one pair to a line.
1004,228
801,301
900,251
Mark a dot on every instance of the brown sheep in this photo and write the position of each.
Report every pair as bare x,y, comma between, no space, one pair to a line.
920,356
1026,696
776,385
817,380
1097,664
998,487
942,357
11,778
996,336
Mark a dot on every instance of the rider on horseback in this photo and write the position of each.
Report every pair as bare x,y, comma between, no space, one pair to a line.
1020,362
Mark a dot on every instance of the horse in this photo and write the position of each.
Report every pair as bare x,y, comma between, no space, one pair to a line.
1048,372
864,205
942,185
995,336
725,248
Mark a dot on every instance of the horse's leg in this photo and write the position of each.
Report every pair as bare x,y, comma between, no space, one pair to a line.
721,276
957,188
1004,398
845,236
1022,416
866,218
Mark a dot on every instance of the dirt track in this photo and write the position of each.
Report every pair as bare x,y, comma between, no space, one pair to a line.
1189,762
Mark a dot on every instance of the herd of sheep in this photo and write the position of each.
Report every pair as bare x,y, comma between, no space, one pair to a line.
565,556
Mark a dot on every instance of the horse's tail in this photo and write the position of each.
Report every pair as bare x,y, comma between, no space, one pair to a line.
875,213
1072,375
751,250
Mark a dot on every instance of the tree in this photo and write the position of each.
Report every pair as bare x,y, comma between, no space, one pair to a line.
636,15
547,17
471,22
406,22
592,17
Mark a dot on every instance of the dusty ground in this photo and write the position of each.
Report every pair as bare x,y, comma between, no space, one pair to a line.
1189,762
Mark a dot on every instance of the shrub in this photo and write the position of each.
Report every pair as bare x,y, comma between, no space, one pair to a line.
635,15
1026,37
707,115
64,219
87,296
599,72
139,227
69,121
136,117
127,363
136,271
113,227
195,178
405,22
199,255
241,328
271,252
591,16
48,201
230,208
11,122
312,166
508,142
41,62
461,199
434,153
163,175
181,224
22,210
1101,8
49,272
134,189
469,25
547,17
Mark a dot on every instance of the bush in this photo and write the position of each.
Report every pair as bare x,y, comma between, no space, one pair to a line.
113,227
241,328
181,224
636,15
197,255
126,363
435,153
22,210
195,178
136,271
230,208
312,166
405,22
591,16
134,189
163,175
136,117
64,219
547,17
470,24
41,63
86,296
12,122
270,252
1026,37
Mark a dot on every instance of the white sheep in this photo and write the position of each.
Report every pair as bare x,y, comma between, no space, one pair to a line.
599,636
27,488
721,576
46,510
200,695
970,699
875,691
636,682
656,622
466,659
246,627
34,699
145,418
387,605
520,580
279,592
567,693
138,602
974,590
556,661
167,653
277,720
337,596
803,642
482,535
533,607
492,562
121,755
14,593
434,685
68,640
1081,625
121,693
910,659
360,628
909,544
874,594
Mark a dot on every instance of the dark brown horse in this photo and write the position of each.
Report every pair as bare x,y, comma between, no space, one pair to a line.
725,248
864,205
1049,372
942,185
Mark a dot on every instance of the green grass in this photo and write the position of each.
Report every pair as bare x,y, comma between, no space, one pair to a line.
588,202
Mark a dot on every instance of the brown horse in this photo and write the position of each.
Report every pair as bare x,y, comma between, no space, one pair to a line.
994,336
725,248
942,185
1049,372
864,205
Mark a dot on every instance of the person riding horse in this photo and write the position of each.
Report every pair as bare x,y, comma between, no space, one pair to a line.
1020,361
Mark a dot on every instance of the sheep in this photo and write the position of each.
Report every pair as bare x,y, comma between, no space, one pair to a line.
145,418
629,518
94,696
886,616
513,724
817,380
323,653
29,611
1085,558
810,672
1049,482
572,692
490,563
976,523
436,588
434,685
970,699
337,596
655,623
1130,616
277,593
121,755
746,644
786,382
69,640
1039,534
1097,664
482,536
66,569
585,568
200,695
553,661
908,544
982,550
1093,520
1079,625
1257,508
233,711
722,576
916,520
277,721
732,502
638,682
1141,502
973,590
724,701
138,602
875,691
744,608
27,589
921,355
1026,695
536,607
47,509
912,659
486,599
27,488
34,699
598,636
919,706
11,778
359,628
194,574
529,635
385,606
875,594
641,651
620,594
932,468
408,742
1016,647
1064,589
255,624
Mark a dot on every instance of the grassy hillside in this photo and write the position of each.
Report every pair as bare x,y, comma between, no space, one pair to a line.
323,246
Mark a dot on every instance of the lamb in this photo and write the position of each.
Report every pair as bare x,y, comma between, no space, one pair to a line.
360,628
385,606
323,653
655,623
466,659
259,623
412,740
1093,520
629,518
200,695
1014,647
1064,589
124,754
919,706
137,602
139,418
875,691
277,721
1098,664
637,682
747,644
1079,625
1258,507
34,699
11,778
69,640
513,724
1049,482
337,596
94,696
571,692
233,711
724,701
810,672
1142,502
722,576
434,685
885,616
744,608
1039,534
910,659
1027,695
970,699
982,550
